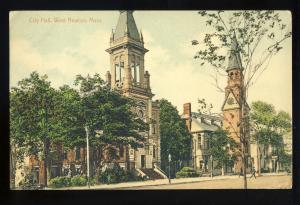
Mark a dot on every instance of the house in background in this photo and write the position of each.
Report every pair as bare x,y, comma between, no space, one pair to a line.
202,127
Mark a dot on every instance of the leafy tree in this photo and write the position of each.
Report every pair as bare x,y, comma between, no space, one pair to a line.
260,35
269,128
41,116
107,111
175,138
221,147
32,114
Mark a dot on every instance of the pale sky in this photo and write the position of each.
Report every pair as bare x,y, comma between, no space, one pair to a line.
64,49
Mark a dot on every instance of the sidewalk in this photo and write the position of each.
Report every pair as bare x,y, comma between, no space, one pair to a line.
159,182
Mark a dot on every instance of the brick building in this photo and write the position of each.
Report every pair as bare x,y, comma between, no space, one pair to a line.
235,115
128,76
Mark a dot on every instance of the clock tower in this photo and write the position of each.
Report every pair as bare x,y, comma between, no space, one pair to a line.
234,114
128,76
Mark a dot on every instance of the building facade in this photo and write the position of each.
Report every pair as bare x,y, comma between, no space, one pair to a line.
202,127
128,76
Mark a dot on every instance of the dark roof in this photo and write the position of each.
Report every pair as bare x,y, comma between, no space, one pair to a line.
126,26
234,60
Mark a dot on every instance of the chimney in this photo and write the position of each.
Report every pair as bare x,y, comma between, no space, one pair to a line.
187,115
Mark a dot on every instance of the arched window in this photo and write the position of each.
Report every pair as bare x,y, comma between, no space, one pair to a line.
137,69
119,68
133,73
118,74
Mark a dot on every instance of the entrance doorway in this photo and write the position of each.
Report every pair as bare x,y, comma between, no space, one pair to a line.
143,161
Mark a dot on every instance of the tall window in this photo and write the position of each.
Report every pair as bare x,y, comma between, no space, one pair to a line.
137,70
133,72
153,150
65,155
199,141
77,153
153,129
119,67
122,70
121,150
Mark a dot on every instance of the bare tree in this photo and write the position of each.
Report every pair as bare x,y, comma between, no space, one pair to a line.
260,35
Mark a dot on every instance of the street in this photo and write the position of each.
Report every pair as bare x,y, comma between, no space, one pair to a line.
263,182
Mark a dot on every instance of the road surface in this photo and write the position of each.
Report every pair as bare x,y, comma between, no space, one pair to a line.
263,182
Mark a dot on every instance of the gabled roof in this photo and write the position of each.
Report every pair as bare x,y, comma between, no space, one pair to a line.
126,26
234,61
230,93
198,126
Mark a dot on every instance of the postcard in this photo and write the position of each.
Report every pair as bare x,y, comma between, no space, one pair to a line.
131,99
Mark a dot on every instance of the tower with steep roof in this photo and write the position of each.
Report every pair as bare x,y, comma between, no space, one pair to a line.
128,76
235,115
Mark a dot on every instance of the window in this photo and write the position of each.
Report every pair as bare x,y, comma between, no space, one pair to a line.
121,71
77,153
118,74
199,141
65,155
133,72
153,151
121,150
119,67
137,69
153,129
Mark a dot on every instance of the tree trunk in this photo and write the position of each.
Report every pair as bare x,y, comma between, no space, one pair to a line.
223,170
12,166
245,172
46,167
258,161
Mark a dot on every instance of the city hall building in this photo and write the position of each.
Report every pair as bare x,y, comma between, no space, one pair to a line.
130,78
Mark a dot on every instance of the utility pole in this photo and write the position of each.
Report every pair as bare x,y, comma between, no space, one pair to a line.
87,155
211,164
169,157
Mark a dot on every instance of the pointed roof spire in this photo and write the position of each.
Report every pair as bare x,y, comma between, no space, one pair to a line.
112,35
234,57
142,38
126,26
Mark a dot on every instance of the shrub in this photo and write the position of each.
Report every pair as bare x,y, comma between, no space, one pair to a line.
117,175
264,170
78,181
28,182
59,182
93,181
186,172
